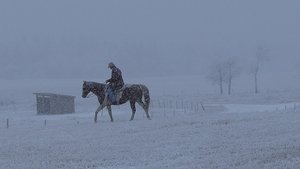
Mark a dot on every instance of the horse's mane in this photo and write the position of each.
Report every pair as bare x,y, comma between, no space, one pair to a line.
95,84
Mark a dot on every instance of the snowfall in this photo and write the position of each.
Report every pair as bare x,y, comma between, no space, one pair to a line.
190,129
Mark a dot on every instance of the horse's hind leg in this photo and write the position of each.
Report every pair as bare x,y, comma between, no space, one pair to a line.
132,105
110,113
145,109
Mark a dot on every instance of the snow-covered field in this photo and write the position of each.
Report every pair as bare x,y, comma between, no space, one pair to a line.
238,131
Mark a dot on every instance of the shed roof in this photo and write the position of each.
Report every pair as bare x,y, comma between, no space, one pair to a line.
43,94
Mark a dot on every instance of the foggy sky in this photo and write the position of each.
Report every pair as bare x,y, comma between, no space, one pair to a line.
75,38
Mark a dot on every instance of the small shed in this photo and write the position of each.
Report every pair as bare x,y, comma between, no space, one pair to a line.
49,103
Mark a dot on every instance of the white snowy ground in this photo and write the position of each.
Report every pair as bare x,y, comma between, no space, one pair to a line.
240,131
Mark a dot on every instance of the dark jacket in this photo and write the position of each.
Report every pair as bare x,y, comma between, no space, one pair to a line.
116,80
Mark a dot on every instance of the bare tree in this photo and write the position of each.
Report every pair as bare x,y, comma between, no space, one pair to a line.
233,71
261,55
230,65
218,75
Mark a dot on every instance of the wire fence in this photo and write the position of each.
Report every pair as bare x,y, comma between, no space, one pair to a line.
159,108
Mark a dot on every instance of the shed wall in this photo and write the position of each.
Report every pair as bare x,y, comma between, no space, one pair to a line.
55,104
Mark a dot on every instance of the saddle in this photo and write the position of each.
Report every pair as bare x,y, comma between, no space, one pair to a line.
117,93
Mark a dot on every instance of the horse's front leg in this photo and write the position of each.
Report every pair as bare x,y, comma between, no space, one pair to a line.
110,113
101,106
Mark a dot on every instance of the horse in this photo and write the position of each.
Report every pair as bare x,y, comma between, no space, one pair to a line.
133,93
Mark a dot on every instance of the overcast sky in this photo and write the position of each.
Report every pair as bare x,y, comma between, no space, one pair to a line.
77,38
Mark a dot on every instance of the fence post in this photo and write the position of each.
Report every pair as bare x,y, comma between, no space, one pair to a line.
7,123
285,107
164,104
202,106
45,122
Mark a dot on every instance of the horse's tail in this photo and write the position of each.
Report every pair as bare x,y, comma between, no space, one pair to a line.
146,95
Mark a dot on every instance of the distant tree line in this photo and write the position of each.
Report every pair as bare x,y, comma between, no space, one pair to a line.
223,72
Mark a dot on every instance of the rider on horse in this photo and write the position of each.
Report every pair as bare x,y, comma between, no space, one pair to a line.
114,83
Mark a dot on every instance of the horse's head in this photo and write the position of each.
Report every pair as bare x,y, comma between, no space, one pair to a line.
86,89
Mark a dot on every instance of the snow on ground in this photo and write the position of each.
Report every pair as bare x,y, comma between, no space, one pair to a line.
240,131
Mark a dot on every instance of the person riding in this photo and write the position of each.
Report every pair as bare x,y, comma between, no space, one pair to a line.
114,83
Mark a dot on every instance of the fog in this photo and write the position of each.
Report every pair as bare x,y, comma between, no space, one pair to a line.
76,39
199,59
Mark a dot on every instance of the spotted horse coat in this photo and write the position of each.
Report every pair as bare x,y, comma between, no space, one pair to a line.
134,93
